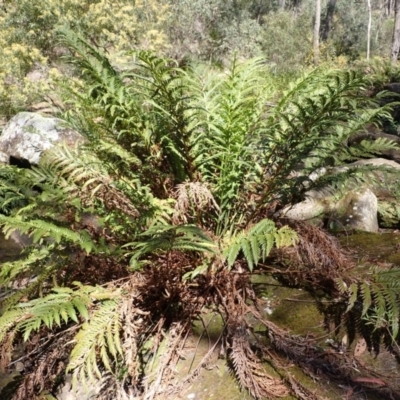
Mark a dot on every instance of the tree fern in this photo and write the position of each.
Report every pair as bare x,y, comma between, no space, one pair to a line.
165,146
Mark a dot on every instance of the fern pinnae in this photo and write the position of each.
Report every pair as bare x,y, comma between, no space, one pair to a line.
9,319
55,308
366,296
101,333
262,236
353,293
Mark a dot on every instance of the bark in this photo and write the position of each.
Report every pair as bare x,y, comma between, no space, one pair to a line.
282,4
369,28
389,7
396,32
328,20
317,24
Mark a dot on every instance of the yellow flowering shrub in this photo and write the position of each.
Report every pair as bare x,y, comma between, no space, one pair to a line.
28,30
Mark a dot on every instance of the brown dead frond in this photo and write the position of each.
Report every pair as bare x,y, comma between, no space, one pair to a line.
162,373
249,368
234,291
317,258
44,364
7,347
192,199
135,322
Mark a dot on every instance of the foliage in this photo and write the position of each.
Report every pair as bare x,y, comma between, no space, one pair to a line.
165,208
373,305
211,30
28,39
286,39
257,242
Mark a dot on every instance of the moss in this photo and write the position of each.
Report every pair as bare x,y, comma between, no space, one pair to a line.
298,313
389,214
373,247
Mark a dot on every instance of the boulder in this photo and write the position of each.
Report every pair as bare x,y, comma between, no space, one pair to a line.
28,134
66,392
373,134
311,210
379,162
357,210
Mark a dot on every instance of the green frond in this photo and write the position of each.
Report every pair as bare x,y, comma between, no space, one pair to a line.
11,270
56,308
76,165
367,298
257,242
376,301
8,320
40,229
166,238
353,292
13,297
99,337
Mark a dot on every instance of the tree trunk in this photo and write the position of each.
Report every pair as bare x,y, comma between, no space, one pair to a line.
396,32
282,4
382,13
317,24
389,8
327,23
369,28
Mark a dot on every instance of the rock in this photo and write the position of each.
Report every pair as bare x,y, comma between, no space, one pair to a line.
389,214
4,158
21,239
19,366
27,135
311,210
393,87
357,210
373,134
66,392
379,162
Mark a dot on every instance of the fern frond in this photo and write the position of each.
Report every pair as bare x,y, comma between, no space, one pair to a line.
376,301
169,237
100,335
10,270
40,229
257,242
56,308
9,319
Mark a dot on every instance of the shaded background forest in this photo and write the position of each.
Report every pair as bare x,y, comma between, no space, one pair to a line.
204,30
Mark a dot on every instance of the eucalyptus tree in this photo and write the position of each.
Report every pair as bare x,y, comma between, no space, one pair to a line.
396,32
369,28
317,24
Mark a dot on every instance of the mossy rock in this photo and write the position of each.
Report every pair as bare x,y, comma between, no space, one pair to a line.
389,214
